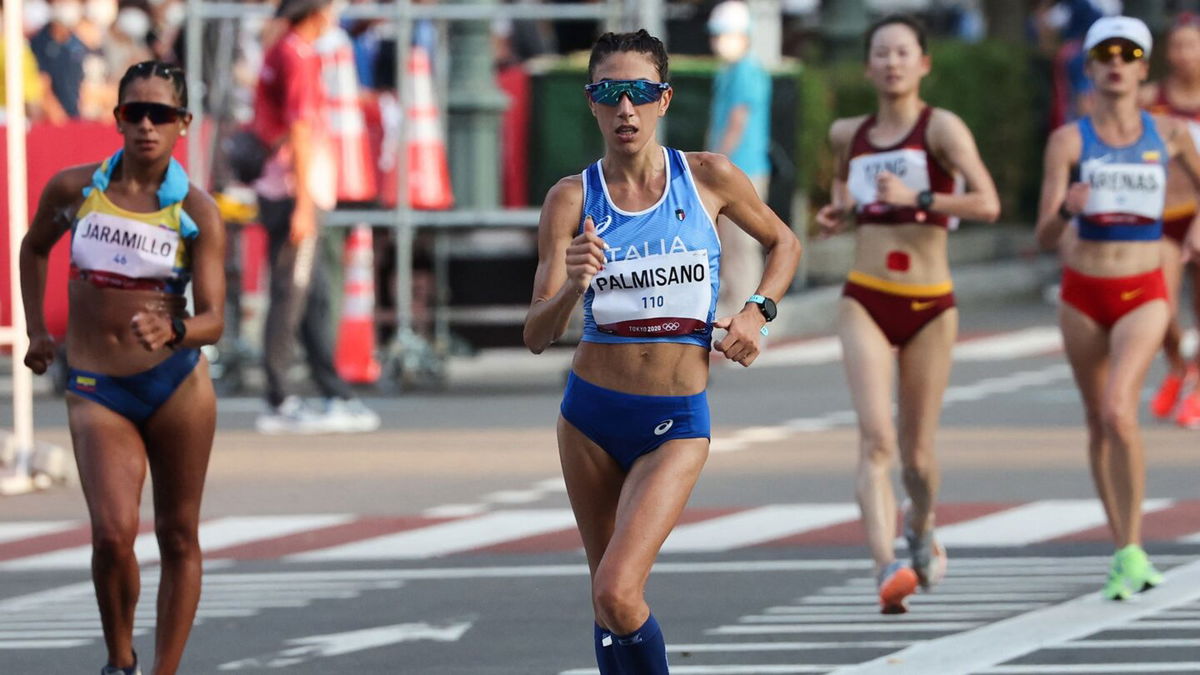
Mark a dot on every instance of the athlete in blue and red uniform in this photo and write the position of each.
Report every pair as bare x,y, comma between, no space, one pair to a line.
634,238
1107,226
1178,95
900,169
138,390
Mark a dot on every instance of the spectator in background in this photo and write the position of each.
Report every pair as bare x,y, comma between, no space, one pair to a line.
297,183
126,41
740,128
1063,24
60,53
40,104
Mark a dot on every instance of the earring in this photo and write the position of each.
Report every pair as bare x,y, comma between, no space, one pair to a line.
183,133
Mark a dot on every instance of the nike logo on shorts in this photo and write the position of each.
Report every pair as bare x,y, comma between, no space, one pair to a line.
918,306
1126,296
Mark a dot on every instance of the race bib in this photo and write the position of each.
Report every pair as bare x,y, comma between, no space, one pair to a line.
659,295
109,243
1194,129
911,166
1124,189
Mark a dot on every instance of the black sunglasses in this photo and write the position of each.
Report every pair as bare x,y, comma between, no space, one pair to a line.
159,113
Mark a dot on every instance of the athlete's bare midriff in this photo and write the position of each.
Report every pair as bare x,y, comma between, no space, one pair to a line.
923,247
1110,258
100,337
648,368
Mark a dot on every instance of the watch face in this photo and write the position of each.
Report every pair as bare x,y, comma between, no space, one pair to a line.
769,309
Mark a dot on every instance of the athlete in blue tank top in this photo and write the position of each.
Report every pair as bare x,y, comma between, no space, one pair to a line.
1115,307
634,428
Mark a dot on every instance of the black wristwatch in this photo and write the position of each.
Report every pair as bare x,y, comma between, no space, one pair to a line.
180,329
924,199
1064,213
765,305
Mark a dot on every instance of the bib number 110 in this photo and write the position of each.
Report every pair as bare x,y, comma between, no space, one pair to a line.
652,301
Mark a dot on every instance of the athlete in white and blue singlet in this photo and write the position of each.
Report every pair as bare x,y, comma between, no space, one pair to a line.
1108,225
139,390
634,238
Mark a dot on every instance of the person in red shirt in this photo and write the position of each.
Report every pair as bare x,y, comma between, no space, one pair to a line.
298,182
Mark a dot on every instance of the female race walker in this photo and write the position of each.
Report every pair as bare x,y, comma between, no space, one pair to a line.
1178,95
138,388
633,236
1114,308
899,173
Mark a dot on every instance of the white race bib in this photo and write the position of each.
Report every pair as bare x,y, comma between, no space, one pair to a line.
1134,189
657,295
910,165
109,243
1194,129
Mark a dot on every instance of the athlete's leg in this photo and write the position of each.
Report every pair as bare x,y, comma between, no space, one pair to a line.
924,373
179,438
1086,346
112,469
593,481
1133,343
870,371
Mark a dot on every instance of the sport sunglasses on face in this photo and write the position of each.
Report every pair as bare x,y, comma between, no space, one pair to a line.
1107,51
640,92
159,113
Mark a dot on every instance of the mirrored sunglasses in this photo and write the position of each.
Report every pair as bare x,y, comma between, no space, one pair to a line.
640,92
1109,50
159,113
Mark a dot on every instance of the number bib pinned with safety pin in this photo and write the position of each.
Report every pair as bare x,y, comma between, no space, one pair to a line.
657,295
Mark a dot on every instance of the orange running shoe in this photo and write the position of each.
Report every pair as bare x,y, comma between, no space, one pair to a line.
1167,396
1188,415
896,583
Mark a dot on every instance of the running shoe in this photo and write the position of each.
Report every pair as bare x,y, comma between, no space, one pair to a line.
1140,573
348,416
290,417
1117,586
1188,414
114,670
929,558
897,581
1168,395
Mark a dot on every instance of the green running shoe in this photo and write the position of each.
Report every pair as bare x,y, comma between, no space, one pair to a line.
1117,586
1140,573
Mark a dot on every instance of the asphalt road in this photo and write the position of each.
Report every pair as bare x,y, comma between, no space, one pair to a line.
443,544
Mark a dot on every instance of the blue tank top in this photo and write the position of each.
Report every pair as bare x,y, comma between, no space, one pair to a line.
1129,185
661,277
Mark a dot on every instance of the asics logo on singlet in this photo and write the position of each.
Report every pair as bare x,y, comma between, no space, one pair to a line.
664,427
603,225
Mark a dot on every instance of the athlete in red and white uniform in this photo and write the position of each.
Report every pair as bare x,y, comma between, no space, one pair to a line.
1178,95
899,177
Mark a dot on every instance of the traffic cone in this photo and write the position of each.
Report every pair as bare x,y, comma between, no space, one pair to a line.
354,357
428,169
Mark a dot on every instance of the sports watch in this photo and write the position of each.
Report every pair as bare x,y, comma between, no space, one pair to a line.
179,328
924,199
766,306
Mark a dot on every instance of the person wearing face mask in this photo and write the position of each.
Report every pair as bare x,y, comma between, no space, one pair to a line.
60,53
126,41
98,17
739,128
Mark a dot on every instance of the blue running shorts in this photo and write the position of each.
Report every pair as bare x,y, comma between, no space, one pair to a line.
135,396
627,426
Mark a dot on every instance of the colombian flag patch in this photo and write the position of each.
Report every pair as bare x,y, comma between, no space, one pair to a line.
1151,156
84,383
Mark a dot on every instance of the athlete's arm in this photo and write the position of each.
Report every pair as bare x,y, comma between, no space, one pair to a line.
566,264
1181,146
1062,151
208,271
737,200
833,217
50,221
953,144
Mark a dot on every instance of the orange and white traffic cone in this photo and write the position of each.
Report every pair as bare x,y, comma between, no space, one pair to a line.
355,353
428,169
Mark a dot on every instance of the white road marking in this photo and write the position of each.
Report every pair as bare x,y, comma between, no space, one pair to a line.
1096,668
838,607
1147,643
996,643
755,526
455,510
1032,341
214,534
447,538
878,626
335,644
24,530
709,647
851,620
1033,522
726,670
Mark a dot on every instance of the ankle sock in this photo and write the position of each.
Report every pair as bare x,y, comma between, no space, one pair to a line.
642,652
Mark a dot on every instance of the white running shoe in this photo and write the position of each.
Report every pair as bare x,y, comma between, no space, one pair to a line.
291,417
348,416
